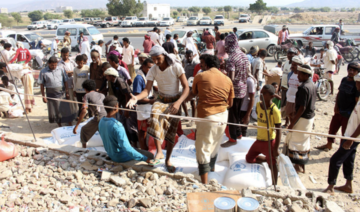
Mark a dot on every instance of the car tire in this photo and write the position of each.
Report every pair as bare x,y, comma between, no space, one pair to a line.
271,49
55,28
35,28
107,25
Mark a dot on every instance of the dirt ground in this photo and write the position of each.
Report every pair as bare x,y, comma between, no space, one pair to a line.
317,167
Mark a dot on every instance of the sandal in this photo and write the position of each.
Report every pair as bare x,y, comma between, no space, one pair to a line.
154,162
171,168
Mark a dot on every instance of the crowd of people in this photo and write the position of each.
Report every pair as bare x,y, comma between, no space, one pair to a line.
226,83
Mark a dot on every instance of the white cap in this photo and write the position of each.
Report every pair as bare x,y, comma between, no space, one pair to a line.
111,72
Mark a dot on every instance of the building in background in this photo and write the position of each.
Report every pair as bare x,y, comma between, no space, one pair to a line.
156,10
4,10
61,9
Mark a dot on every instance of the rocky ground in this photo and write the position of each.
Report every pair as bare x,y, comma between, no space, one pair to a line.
44,180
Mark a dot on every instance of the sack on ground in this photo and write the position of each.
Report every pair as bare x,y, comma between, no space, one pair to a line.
7,150
243,145
288,174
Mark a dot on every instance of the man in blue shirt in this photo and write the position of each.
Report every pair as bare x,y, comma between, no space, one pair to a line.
113,135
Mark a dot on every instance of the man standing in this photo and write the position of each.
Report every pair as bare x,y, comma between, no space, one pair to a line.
330,63
174,40
310,50
341,26
22,55
80,40
283,35
189,64
284,83
98,47
169,46
213,108
155,36
298,144
54,46
54,79
128,57
123,73
344,105
236,67
110,43
167,31
335,38
217,33
210,42
168,73
147,44
235,33
259,68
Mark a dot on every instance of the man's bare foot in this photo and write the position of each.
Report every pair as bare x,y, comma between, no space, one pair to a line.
299,169
329,190
344,188
159,156
228,144
325,147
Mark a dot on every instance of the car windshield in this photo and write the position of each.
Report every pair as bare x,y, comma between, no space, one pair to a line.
243,16
205,18
93,31
66,20
166,19
55,22
180,33
154,19
128,18
77,19
142,19
32,37
34,23
192,18
219,17
307,31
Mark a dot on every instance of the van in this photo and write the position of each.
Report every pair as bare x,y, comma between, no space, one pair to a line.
25,37
90,31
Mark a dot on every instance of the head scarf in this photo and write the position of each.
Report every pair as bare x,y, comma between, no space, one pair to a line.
147,37
231,44
305,70
243,49
189,33
85,39
158,50
20,45
331,44
206,33
111,72
143,55
254,50
297,59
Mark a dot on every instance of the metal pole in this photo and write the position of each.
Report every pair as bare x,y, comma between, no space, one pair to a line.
269,141
22,104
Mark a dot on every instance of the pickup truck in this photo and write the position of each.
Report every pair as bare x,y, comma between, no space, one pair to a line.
319,33
109,21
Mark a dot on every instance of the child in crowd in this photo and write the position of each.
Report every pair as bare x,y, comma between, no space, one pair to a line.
277,96
81,73
85,58
261,144
248,102
5,102
279,64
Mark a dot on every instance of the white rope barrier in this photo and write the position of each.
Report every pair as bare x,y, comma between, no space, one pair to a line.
191,118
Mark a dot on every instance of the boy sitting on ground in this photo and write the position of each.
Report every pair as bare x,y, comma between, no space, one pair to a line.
261,144
113,135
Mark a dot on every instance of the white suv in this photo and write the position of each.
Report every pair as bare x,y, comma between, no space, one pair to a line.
54,24
37,25
244,18
167,22
219,20
129,21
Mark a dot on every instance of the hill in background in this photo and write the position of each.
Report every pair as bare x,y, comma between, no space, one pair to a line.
326,3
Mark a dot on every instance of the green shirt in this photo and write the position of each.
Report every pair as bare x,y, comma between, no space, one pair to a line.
277,102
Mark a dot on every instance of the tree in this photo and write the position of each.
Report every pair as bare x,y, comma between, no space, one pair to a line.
35,15
220,9
49,16
124,7
258,6
353,9
179,9
206,10
284,8
175,13
343,10
297,9
241,9
92,13
194,9
68,13
325,9
6,21
227,8
273,9
17,17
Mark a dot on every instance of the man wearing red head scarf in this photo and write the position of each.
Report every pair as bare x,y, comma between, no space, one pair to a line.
148,43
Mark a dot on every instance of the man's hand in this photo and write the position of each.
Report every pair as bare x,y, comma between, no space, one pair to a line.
67,95
347,144
44,100
245,120
152,101
258,87
74,93
132,102
174,108
336,109
291,126
276,152
75,128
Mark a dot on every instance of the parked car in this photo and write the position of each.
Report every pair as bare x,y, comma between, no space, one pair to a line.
89,30
257,37
154,22
109,22
37,25
219,20
319,33
79,20
206,20
193,21
92,21
196,35
54,24
68,21
129,21
167,22
141,22
182,19
244,18
25,37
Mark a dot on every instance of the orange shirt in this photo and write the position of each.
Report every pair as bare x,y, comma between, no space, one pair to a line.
214,90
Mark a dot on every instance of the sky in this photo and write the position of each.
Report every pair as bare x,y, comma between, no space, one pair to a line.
184,3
